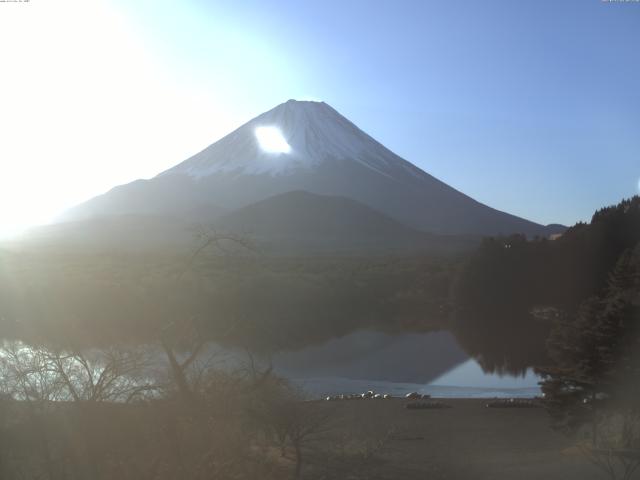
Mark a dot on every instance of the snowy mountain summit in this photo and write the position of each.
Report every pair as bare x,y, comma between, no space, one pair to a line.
293,135
310,147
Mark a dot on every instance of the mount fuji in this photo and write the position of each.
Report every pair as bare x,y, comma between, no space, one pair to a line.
302,146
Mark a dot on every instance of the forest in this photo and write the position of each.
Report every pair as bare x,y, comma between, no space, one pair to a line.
106,371
508,293
569,307
266,303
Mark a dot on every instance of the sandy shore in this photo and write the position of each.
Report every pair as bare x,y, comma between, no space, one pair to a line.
467,441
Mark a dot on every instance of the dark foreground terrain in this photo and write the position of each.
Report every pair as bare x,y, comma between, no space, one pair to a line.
265,435
467,441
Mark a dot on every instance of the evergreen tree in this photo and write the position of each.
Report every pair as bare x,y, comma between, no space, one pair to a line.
595,353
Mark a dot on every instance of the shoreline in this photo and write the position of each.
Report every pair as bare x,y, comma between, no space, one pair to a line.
467,441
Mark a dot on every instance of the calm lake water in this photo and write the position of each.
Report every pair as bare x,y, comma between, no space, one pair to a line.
431,363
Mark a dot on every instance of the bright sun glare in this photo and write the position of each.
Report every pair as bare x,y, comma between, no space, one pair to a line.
80,102
271,140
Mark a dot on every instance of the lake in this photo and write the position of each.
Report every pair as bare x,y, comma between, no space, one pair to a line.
431,363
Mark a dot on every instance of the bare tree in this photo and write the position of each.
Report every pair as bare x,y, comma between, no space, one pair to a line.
26,378
69,384
107,375
617,452
182,340
293,423
192,345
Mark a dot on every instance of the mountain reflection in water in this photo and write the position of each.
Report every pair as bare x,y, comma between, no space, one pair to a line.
430,363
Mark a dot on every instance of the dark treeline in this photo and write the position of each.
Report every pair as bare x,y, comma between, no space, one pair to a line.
263,303
505,288
591,383
595,354
570,307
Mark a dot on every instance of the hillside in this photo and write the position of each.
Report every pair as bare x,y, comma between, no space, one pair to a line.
321,152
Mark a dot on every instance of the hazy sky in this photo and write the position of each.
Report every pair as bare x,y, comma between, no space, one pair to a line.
532,107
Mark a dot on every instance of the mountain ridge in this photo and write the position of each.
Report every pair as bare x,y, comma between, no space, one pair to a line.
304,221
329,155
292,223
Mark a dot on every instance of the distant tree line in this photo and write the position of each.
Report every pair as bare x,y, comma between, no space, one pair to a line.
575,302
265,303
504,289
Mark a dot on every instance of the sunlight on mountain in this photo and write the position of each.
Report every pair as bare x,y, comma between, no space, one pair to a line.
271,140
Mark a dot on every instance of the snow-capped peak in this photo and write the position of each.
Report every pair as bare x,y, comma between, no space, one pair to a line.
302,134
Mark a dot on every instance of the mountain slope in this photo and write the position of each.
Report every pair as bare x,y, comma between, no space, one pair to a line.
116,233
290,223
302,221
327,155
